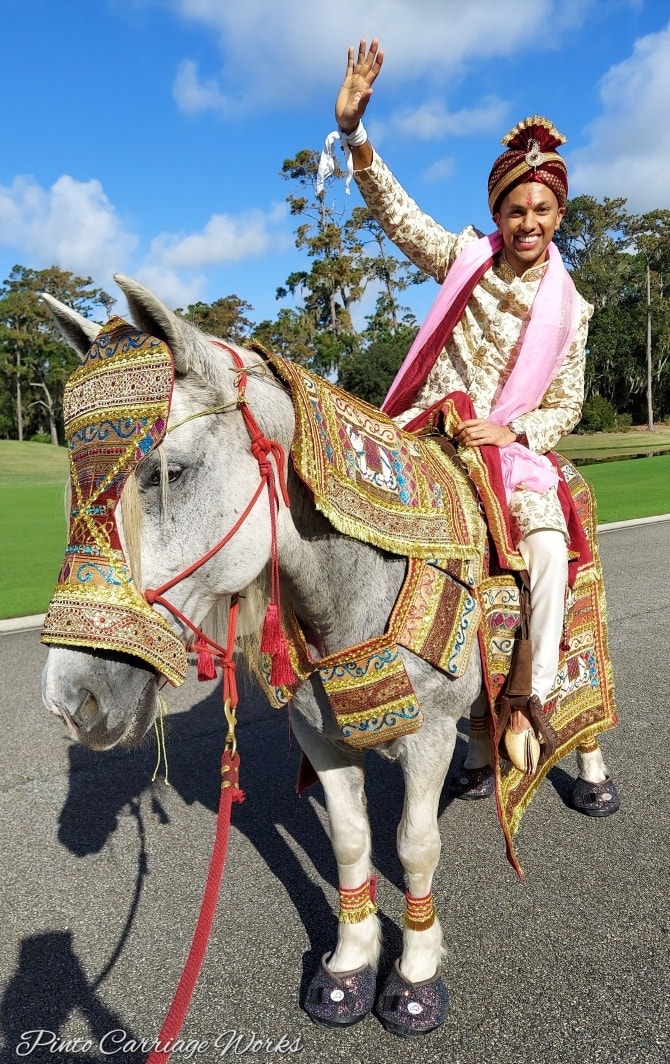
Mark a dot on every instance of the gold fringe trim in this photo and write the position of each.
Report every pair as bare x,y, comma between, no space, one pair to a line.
419,912
356,904
589,747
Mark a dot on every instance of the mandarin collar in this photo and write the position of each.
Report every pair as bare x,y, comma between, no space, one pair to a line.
508,274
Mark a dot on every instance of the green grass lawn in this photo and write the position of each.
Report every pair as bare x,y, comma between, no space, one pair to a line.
33,529
639,487
599,446
32,516
33,534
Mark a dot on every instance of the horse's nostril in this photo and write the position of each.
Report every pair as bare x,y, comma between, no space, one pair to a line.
88,711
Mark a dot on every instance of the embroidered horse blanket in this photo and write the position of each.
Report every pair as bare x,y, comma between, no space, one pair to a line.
398,491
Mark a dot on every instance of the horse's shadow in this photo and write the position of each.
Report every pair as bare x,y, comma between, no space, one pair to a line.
106,786
271,816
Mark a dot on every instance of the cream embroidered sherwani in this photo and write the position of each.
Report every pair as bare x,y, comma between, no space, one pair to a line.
481,352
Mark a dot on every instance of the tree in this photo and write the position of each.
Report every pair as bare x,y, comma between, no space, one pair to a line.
225,318
32,352
349,257
650,237
594,243
335,279
391,274
369,372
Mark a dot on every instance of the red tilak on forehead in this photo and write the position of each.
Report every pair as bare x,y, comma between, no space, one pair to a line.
529,195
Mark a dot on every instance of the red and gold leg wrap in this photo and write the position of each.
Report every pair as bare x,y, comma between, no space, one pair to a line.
588,747
479,728
419,912
357,903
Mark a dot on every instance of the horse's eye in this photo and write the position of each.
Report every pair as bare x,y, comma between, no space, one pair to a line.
174,473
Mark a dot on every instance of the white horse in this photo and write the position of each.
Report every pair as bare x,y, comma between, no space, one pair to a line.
340,588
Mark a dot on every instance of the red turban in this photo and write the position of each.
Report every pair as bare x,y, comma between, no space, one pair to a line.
530,156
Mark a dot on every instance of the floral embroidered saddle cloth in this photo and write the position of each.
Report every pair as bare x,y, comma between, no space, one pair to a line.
379,484
388,488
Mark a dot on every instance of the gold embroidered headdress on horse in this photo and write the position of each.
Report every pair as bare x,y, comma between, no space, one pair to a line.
116,407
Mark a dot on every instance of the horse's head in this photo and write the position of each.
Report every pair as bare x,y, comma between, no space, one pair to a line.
194,483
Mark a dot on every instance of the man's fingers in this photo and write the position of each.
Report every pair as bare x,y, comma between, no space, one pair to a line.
368,61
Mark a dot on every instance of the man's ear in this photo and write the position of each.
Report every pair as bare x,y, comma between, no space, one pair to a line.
561,215
496,219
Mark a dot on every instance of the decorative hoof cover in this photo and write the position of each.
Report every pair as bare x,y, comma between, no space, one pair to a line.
409,1009
340,999
473,784
596,799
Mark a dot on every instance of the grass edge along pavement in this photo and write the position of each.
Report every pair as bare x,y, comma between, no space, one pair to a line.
33,528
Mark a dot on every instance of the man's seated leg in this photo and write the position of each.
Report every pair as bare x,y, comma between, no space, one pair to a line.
545,555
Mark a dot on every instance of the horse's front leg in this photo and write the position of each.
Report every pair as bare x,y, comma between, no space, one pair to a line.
414,999
342,990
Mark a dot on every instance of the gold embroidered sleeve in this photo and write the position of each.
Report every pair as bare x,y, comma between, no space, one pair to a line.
561,407
423,240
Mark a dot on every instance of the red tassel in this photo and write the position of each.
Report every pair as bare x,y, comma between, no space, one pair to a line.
282,674
206,666
272,634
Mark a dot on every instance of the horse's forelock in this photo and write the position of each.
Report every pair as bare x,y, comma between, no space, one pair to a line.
209,364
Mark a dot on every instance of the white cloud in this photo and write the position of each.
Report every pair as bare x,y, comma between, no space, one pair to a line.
630,142
192,95
433,121
439,171
275,53
72,224
224,239
174,289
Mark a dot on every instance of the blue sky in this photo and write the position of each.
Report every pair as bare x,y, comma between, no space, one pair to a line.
147,136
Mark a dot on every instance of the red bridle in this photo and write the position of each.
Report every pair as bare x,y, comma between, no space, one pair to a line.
272,641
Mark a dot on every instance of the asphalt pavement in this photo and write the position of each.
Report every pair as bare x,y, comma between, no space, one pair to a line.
103,872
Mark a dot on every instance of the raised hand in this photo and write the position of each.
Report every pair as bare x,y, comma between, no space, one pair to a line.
356,88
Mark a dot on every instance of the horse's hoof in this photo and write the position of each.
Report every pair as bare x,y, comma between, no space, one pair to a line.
409,1009
595,799
340,999
473,784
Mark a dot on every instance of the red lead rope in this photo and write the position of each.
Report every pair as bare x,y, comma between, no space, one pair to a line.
273,642
230,792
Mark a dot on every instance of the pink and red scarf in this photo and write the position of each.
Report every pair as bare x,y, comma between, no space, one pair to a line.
544,344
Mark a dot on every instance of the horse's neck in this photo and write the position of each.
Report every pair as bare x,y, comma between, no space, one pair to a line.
341,590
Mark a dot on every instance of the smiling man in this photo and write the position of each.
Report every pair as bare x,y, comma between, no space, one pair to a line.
507,337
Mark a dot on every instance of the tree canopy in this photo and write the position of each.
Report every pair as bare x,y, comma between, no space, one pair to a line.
343,315
35,362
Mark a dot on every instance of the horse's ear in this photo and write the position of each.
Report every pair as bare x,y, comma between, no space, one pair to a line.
154,318
79,331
